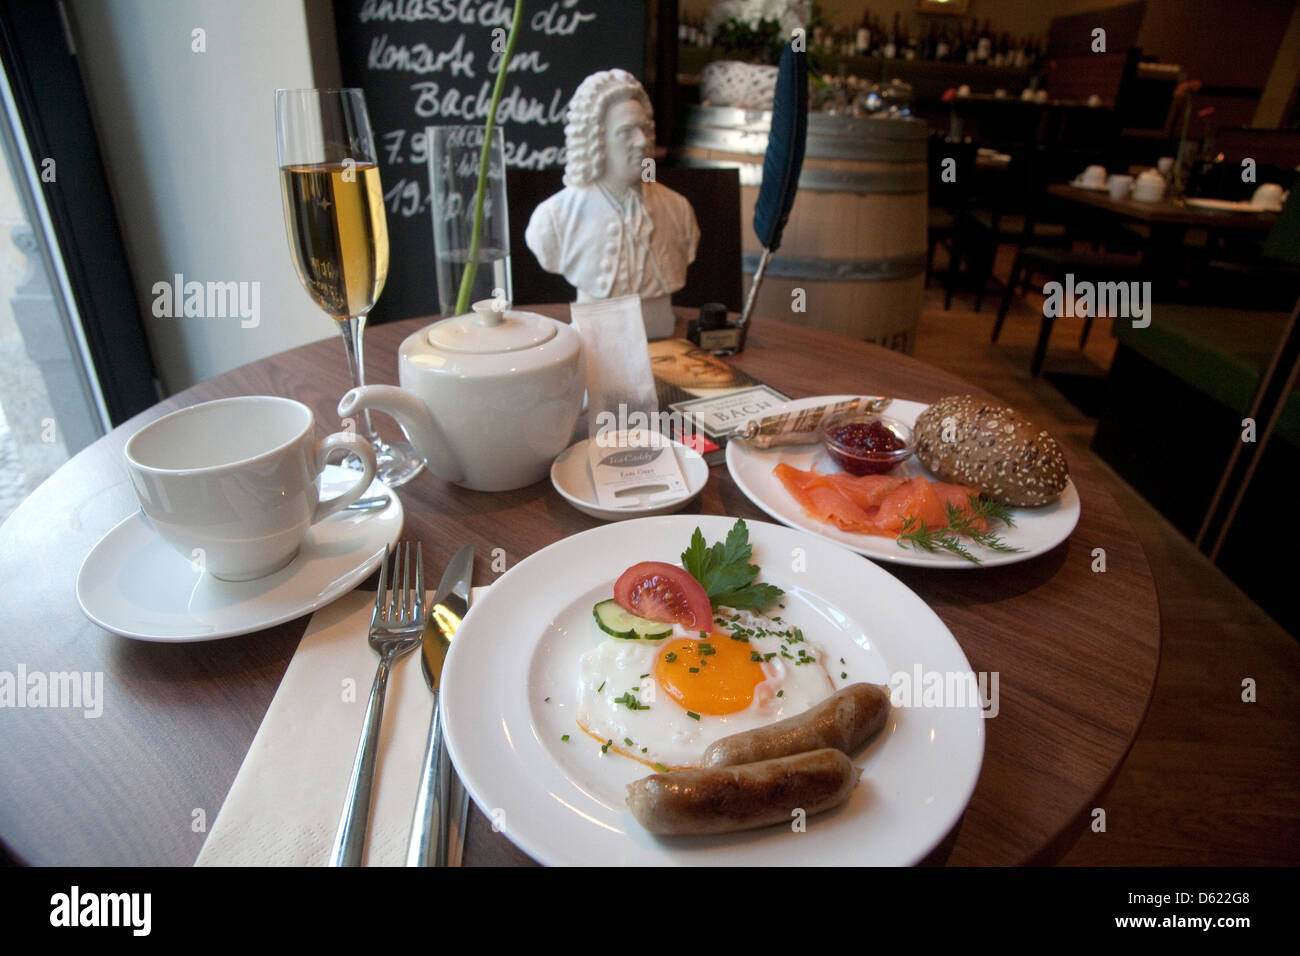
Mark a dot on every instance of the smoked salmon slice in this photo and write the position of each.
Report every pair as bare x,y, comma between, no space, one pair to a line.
872,504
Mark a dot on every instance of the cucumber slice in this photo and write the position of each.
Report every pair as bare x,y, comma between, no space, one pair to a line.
617,622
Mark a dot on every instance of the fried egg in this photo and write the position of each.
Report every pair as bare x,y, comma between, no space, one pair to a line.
663,702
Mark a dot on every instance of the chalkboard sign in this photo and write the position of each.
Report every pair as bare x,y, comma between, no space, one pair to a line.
431,63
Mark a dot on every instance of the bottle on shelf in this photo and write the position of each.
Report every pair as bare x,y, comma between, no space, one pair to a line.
941,47
863,40
891,45
984,45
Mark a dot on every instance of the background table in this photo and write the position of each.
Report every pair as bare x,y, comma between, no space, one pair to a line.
1076,649
1168,222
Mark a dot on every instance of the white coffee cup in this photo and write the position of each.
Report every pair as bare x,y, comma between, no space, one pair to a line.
233,485
1150,187
1267,196
1094,176
1165,164
1119,186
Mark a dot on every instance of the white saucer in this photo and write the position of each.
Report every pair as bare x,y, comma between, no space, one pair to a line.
132,583
572,479
1080,184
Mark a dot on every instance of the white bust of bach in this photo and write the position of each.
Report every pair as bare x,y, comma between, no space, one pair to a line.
613,230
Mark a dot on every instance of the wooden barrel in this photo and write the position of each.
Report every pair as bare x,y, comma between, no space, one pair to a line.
852,258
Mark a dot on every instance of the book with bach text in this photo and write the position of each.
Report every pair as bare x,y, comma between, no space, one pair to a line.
710,396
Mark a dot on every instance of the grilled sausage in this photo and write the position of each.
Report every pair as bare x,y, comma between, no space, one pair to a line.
844,721
744,797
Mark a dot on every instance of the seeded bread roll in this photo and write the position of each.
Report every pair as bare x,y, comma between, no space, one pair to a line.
992,449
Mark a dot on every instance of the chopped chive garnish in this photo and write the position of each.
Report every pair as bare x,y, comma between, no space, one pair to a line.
644,676
661,768
843,675
693,715
601,687
780,693
548,700
670,657
565,738
645,749
628,741
694,670
756,657
604,748
631,702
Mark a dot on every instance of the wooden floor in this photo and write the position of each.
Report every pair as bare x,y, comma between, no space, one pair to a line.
1211,780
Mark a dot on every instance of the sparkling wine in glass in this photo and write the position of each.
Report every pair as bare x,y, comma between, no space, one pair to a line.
338,232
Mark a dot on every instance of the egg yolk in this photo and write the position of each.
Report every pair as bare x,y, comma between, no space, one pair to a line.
713,676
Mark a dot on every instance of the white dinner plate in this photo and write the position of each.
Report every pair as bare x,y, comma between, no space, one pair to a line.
1228,205
132,583
511,689
571,476
1080,184
1036,530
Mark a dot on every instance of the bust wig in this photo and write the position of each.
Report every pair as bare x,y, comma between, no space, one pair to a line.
584,140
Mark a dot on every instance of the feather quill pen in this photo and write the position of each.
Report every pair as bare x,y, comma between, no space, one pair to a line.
781,165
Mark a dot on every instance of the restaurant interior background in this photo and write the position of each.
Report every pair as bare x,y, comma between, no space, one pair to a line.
181,136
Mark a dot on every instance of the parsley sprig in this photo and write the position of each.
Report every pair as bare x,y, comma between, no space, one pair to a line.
725,573
918,535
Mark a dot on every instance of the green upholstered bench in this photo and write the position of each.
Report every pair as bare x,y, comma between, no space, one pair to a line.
1176,395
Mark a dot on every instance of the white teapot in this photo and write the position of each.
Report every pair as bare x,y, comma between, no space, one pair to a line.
488,399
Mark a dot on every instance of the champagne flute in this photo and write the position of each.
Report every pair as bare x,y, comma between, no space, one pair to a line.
338,232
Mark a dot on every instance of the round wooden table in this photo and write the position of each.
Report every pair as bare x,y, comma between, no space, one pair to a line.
1076,648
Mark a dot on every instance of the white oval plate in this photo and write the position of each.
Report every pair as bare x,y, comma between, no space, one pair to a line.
510,695
1228,205
571,477
1036,531
132,583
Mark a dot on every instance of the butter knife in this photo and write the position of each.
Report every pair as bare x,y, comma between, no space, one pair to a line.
430,823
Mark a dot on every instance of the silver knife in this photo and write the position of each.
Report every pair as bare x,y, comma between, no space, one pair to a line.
430,824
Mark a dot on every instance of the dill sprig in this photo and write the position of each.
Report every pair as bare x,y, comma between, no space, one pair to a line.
918,535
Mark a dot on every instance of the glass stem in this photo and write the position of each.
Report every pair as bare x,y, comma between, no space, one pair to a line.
353,328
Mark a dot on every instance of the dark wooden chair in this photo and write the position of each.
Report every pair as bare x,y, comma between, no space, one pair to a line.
948,198
1056,261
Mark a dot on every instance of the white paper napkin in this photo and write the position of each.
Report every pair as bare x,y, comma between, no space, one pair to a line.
283,808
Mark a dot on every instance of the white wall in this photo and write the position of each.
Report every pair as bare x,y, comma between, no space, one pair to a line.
188,140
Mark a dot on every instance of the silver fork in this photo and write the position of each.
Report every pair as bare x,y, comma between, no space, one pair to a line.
396,627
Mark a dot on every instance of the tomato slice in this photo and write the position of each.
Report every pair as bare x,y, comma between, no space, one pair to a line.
664,592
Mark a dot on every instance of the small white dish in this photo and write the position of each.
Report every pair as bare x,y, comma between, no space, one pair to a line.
1092,187
571,477
132,583
1225,205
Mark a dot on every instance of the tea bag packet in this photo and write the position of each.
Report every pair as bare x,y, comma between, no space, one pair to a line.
632,464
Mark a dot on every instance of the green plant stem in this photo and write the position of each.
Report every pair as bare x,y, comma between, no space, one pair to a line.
476,237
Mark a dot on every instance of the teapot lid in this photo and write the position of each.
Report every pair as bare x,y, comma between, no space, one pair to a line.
491,327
